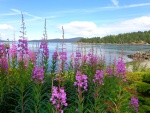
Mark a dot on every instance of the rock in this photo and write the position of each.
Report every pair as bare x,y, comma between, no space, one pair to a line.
144,55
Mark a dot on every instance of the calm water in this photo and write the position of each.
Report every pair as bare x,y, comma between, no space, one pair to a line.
109,50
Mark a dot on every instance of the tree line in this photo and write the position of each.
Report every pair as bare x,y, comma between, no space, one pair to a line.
129,38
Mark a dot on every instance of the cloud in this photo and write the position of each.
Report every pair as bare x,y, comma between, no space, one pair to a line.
33,17
6,27
17,11
90,29
115,2
82,28
136,5
25,13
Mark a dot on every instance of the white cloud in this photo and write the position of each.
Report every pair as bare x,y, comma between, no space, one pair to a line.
6,27
17,11
115,2
90,29
82,28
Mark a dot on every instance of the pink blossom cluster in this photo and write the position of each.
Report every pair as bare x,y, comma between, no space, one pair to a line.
3,59
38,74
78,54
134,103
44,47
63,55
58,97
2,50
121,70
32,56
81,81
13,51
99,77
92,59
77,59
84,59
4,64
109,70
55,55
23,46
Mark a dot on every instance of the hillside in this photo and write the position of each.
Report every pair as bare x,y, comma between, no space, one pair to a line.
126,38
60,40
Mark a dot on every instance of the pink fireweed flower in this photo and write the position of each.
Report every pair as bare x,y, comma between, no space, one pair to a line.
63,56
109,70
77,59
121,70
55,55
134,103
84,59
32,56
44,48
13,51
93,60
99,77
23,58
78,54
3,64
81,81
2,50
38,74
23,46
58,97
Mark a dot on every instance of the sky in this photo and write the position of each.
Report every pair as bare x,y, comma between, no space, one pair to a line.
79,18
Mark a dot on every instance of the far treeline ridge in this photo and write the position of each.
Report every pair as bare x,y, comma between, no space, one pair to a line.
126,38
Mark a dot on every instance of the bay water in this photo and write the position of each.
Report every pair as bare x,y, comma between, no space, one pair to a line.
110,51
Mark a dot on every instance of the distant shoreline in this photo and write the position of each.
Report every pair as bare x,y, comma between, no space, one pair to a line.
115,43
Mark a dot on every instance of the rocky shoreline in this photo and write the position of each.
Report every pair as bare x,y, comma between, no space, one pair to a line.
144,55
144,60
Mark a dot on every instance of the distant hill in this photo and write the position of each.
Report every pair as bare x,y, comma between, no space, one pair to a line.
60,40
2,41
140,37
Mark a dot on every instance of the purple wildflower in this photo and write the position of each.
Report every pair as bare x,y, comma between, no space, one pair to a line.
109,70
84,59
13,51
3,64
38,74
55,55
63,56
58,97
134,103
77,59
23,46
81,81
78,54
92,59
44,47
32,56
121,70
2,50
99,77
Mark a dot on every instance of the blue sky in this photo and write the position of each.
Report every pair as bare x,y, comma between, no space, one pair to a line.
85,18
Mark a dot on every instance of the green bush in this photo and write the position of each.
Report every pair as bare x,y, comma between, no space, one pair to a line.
139,84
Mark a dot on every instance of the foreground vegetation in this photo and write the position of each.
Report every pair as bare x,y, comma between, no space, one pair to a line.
86,85
126,38
31,83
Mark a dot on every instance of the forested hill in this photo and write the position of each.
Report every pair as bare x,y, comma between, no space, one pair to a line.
129,38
